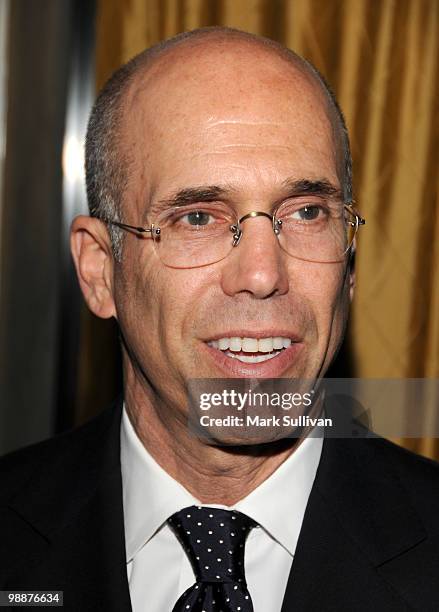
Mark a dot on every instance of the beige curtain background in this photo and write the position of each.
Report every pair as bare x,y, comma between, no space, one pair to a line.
381,59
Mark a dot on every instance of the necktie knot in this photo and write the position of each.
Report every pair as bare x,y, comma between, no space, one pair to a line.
214,540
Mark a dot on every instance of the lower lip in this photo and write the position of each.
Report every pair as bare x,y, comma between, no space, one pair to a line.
272,368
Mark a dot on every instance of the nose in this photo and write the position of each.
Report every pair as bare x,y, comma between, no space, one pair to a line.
257,265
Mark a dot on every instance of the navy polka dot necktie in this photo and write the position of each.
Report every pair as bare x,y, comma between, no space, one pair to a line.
214,541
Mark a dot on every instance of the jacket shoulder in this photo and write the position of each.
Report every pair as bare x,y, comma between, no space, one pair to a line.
18,467
410,466
418,476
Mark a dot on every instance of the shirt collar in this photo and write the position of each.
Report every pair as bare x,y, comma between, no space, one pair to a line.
151,495
278,504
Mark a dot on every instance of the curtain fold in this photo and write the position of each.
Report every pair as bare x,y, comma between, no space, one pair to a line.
381,59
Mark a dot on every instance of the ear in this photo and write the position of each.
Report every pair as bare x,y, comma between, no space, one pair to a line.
351,265
91,251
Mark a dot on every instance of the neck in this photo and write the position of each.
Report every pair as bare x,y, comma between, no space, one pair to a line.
213,474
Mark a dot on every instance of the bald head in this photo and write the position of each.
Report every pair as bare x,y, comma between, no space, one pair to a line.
208,76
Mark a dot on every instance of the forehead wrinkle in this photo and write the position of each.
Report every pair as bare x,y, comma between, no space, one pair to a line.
213,122
248,145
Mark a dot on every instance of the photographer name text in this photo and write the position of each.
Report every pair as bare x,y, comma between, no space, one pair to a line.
257,421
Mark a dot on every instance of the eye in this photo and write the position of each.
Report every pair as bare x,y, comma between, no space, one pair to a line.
196,217
308,213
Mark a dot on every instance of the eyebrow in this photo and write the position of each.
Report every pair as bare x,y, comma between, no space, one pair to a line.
321,187
213,193
190,195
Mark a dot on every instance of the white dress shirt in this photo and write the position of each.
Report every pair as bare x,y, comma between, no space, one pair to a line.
158,568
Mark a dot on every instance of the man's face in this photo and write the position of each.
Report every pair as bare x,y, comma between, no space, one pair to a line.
249,124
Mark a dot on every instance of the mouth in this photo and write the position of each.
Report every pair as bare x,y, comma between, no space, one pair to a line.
255,355
251,350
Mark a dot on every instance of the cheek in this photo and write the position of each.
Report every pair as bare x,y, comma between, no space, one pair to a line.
158,308
137,299
329,293
181,295
338,310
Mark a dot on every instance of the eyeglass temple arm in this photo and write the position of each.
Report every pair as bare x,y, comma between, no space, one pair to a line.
360,220
142,230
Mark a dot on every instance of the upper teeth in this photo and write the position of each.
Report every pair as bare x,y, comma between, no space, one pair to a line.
251,345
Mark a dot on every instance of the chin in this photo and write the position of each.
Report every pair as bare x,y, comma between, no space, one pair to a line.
248,437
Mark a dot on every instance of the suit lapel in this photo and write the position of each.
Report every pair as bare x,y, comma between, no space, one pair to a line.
71,515
358,519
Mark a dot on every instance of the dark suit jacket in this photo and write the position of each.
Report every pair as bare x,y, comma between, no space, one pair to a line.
369,540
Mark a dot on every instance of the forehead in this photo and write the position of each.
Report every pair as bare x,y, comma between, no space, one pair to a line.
222,113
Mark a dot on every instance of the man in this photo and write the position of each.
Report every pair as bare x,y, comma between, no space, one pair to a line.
195,151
